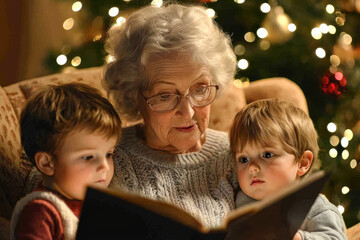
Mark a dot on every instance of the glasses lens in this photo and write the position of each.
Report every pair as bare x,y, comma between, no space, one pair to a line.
163,102
203,96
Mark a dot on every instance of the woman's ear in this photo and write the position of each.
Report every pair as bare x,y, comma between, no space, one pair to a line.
44,163
305,163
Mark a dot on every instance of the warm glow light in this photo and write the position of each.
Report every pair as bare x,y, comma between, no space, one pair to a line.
239,49
320,52
76,6
292,27
345,154
353,163
239,1
332,29
331,127
76,61
157,3
262,33
345,190
113,12
334,140
210,12
346,38
334,60
348,134
324,28
341,209
243,64
249,37
339,76
264,45
109,59
344,142
68,24
333,153
61,59
242,82
316,33
330,9
265,7
120,20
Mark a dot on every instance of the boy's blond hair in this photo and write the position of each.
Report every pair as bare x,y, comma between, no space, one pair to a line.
268,121
55,111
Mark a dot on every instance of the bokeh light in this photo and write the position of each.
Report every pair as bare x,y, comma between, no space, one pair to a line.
243,64
330,9
334,140
68,24
333,153
61,59
114,11
345,190
348,134
320,52
292,27
249,37
262,33
76,6
331,127
265,7
76,61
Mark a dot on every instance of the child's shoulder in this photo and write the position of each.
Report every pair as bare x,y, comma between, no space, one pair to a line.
321,205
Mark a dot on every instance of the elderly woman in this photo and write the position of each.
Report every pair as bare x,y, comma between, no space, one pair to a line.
170,63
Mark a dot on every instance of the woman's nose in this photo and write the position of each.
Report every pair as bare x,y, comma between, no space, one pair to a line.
185,108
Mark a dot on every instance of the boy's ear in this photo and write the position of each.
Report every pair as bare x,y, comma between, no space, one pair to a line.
44,163
305,163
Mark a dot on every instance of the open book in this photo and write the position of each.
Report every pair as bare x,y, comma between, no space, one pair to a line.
119,215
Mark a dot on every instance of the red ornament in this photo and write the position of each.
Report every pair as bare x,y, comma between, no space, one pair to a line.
333,84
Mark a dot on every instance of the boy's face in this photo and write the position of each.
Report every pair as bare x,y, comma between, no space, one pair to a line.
263,170
83,159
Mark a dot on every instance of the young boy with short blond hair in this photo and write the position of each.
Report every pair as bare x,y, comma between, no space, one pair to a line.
275,144
69,133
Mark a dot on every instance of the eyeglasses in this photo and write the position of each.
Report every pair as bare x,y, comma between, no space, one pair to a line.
198,97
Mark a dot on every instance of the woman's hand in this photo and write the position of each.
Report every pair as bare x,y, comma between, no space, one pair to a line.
297,236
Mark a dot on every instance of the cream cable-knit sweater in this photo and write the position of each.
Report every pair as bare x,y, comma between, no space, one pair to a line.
203,183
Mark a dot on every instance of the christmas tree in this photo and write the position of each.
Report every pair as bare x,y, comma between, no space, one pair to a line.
314,43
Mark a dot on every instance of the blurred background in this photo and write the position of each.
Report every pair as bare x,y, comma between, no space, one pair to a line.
315,43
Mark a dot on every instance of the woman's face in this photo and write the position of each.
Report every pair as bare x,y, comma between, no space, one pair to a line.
181,129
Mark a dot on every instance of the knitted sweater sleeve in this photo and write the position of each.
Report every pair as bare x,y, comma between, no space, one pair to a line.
39,220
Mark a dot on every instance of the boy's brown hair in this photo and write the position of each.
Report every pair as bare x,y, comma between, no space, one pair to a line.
271,120
55,111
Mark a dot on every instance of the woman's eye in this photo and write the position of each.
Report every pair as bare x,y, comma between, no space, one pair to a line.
201,90
87,157
267,155
243,160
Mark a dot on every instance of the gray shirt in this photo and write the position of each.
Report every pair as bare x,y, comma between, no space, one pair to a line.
323,222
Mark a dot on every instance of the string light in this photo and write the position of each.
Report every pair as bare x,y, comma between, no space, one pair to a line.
68,24
334,140
344,142
292,27
239,49
262,33
76,61
345,154
210,12
341,209
156,3
113,12
353,163
316,33
76,6
348,134
249,37
331,127
332,29
333,153
345,190
243,64
239,1
334,60
324,28
61,59
265,7
242,82
320,52
330,9
120,21
264,45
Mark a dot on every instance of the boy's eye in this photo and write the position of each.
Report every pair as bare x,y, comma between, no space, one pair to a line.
87,157
243,160
267,155
109,155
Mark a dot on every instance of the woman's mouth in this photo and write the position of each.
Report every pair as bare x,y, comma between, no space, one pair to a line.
186,129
